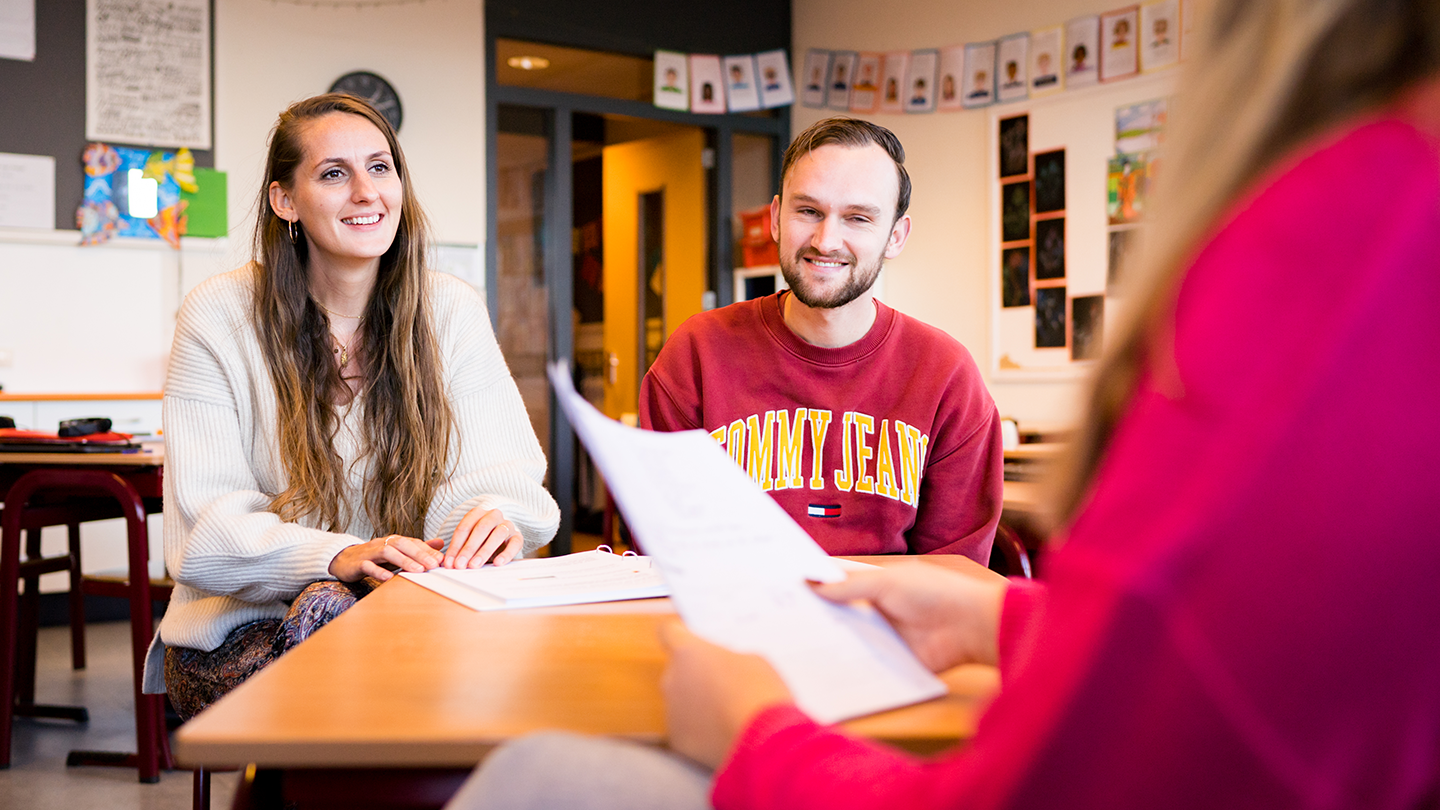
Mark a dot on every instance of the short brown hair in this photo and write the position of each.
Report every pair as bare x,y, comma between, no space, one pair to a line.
851,132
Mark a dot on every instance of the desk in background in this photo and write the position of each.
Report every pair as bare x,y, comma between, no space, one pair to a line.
50,489
404,693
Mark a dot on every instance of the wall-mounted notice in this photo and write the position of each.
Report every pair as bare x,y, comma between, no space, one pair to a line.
147,72
17,29
27,191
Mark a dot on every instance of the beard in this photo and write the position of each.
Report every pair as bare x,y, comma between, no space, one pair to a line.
860,280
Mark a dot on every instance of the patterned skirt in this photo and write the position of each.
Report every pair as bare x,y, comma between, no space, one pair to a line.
195,679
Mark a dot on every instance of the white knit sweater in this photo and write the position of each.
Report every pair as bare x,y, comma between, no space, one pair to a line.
232,560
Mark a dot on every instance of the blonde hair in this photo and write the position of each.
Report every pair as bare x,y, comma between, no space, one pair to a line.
408,421
1267,76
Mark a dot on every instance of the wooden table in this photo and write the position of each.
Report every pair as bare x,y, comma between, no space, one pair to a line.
407,679
65,489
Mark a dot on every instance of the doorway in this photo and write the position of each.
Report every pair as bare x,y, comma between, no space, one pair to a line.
611,222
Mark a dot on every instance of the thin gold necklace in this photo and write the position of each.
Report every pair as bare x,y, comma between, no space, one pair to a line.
332,313
341,349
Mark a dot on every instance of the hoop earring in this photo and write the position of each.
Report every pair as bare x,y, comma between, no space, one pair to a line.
290,223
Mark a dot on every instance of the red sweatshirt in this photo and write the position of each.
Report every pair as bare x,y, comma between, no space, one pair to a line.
1247,612
886,446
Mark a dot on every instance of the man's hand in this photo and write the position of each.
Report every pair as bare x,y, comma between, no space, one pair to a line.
947,618
711,694
368,559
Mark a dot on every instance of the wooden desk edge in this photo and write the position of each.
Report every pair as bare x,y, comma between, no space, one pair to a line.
971,687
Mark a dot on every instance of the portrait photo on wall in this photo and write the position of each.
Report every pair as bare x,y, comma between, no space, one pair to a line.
1047,59
979,85
672,80
1087,326
707,84
892,82
1015,146
1082,51
842,72
1159,35
1050,181
773,70
1015,277
1050,248
1119,53
1050,318
952,72
1015,211
741,94
865,92
1012,61
920,78
817,69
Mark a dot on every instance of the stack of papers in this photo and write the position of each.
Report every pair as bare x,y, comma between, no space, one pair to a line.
575,579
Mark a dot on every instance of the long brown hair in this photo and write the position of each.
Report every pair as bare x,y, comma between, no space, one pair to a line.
1267,76
407,423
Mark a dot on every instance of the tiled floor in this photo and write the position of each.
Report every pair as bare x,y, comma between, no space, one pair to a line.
38,779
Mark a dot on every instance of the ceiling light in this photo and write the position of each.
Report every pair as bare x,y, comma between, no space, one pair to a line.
528,62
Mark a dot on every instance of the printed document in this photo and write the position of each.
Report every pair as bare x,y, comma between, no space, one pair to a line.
737,566
574,579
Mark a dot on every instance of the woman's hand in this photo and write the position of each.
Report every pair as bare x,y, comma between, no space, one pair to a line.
947,618
483,536
711,694
368,559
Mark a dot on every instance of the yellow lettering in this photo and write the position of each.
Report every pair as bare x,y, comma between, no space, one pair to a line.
885,466
864,426
737,442
907,438
762,450
819,427
790,446
843,477
718,434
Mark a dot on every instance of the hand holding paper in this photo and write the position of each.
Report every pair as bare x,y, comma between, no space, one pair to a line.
738,566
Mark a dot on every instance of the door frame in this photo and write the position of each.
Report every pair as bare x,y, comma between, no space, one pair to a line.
558,108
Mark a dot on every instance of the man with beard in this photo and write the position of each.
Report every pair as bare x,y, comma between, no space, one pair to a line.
873,430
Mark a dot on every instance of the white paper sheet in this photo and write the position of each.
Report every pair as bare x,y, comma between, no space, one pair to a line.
574,579
27,191
737,565
17,29
147,72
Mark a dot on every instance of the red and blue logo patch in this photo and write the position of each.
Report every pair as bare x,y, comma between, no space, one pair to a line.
824,510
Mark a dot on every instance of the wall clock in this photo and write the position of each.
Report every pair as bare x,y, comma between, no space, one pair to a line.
373,89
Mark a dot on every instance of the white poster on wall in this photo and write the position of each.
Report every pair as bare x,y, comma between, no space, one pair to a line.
1013,66
893,77
1159,35
741,93
147,72
672,80
774,79
27,191
17,29
1047,60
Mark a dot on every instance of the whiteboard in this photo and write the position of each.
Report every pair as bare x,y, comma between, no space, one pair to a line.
1082,122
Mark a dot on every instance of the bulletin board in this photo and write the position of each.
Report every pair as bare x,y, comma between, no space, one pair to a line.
44,101
1066,265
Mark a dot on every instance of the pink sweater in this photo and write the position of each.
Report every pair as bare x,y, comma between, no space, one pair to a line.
1247,613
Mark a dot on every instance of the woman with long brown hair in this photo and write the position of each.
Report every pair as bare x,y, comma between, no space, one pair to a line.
1240,609
334,412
